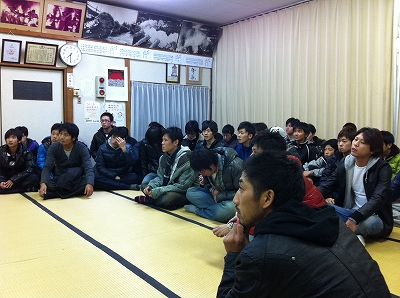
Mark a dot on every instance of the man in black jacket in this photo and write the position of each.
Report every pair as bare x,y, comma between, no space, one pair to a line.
101,136
297,251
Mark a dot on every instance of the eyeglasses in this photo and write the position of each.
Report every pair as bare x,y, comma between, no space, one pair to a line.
104,121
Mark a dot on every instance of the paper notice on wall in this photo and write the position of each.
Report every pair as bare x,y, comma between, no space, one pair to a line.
118,111
92,112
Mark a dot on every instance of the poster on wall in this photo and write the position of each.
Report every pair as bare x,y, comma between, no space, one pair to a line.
21,14
156,32
196,38
92,112
118,111
109,23
117,84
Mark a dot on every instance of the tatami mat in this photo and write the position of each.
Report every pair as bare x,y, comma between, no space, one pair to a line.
110,246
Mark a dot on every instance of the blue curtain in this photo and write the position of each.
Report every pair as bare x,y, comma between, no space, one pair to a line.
168,104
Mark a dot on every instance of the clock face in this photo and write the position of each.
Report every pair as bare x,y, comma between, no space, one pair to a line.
70,54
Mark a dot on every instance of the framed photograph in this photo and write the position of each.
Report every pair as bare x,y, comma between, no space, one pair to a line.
40,53
11,51
64,18
172,73
193,75
21,14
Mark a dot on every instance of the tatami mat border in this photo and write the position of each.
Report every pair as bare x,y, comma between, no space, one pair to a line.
147,278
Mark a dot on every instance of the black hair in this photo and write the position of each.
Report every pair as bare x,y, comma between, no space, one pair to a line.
269,141
303,126
248,126
333,143
109,115
388,137
313,130
350,124
71,129
13,132
119,131
23,130
174,133
155,124
228,129
260,126
55,126
202,159
292,121
276,171
372,137
192,126
210,124
154,135
347,132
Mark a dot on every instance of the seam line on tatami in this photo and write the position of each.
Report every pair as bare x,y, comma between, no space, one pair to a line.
124,262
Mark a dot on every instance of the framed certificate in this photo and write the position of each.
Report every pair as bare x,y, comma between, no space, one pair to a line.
11,51
41,53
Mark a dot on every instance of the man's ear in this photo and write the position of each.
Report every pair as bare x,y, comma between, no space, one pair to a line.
267,197
251,135
176,142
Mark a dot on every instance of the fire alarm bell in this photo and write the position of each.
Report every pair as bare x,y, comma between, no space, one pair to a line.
100,86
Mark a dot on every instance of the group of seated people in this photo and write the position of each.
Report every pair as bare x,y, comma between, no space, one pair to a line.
201,170
261,182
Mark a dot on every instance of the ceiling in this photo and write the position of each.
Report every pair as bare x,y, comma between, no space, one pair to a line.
212,12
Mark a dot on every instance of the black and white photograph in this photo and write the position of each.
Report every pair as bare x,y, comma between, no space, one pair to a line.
199,39
156,32
21,14
109,23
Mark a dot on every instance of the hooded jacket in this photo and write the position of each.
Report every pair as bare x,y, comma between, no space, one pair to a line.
394,160
230,167
181,176
307,151
376,180
302,252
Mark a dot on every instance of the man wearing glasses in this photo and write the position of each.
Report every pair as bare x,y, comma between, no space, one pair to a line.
101,136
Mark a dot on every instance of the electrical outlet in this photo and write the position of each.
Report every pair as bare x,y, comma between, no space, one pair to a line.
76,92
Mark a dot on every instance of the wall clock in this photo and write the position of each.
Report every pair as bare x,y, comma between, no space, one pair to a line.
70,54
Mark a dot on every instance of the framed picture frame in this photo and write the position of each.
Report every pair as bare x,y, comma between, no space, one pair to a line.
21,14
173,73
40,53
64,18
193,75
11,51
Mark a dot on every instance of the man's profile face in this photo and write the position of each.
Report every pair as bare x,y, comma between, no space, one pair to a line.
209,172
249,210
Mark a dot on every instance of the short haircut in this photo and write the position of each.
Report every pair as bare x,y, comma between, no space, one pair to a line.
119,131
192,126
71,129
201,159
210,124
248,126
228,129
332,143
13,132
154,135
109,115
23,130
292,121
155,124
350,124
174,133
260,126
347,132
269,141
55,126
372,137
313,130
274,170
388,137
303,126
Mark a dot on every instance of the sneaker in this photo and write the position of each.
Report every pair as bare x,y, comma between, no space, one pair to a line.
361,238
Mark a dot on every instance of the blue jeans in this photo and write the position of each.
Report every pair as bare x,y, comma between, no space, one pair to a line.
206,206
371,227
147,179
